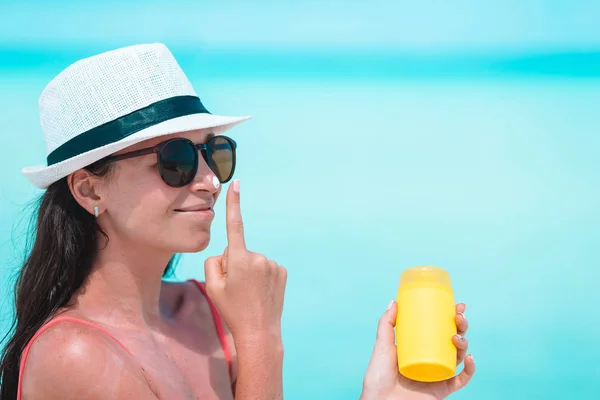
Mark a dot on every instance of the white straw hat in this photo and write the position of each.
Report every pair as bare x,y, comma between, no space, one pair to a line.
105,103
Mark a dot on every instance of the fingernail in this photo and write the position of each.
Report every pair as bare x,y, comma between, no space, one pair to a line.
463,315
472,360
461,338
236,185
390,305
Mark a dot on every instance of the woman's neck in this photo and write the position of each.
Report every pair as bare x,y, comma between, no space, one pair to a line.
125,284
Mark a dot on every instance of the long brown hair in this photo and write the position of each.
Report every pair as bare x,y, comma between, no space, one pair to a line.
60,260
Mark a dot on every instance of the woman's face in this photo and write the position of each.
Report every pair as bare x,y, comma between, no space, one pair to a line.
140,208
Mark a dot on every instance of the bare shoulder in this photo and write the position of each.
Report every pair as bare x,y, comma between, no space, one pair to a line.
71,360
197,307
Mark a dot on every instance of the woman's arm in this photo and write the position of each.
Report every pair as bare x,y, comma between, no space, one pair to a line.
257,368
248,290
260,365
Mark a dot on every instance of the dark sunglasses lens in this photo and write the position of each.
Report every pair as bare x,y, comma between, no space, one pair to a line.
178,162
220,157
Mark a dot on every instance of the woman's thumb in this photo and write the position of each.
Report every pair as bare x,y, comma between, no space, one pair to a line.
383,367
385,328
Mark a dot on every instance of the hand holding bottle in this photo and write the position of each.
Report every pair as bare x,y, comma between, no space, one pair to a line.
419,347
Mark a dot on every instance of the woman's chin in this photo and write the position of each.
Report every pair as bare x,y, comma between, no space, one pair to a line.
193,244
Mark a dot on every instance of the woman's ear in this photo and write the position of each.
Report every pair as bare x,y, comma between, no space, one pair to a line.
85,188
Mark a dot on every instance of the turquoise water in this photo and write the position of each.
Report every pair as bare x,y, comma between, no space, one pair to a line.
348,181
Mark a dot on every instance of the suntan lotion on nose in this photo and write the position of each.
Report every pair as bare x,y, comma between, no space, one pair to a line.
216,182
425,324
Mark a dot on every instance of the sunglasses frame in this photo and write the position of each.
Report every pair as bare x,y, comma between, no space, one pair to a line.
203,147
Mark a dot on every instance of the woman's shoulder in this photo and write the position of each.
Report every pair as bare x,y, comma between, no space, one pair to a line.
70,359
68,338
197,313
189,302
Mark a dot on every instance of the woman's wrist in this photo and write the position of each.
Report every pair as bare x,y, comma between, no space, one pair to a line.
267,344
258,339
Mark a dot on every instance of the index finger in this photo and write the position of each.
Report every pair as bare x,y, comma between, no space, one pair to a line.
235,225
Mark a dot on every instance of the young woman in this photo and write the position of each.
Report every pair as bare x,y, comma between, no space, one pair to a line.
135,165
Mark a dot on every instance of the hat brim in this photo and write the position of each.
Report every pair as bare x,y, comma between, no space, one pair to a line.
43,176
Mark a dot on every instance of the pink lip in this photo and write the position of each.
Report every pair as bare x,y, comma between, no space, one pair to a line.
204,210
203,213
207,207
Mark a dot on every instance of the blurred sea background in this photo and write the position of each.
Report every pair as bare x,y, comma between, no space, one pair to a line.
385,135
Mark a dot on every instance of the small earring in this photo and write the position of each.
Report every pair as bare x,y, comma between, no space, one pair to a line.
96,211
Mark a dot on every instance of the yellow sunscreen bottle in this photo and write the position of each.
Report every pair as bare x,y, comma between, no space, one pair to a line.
425,325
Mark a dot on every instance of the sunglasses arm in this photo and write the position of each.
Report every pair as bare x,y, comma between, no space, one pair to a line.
132,154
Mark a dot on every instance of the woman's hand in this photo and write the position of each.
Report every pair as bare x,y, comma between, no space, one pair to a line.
246,287
383,381
247,290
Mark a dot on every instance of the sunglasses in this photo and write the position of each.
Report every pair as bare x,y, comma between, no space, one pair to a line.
178,159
